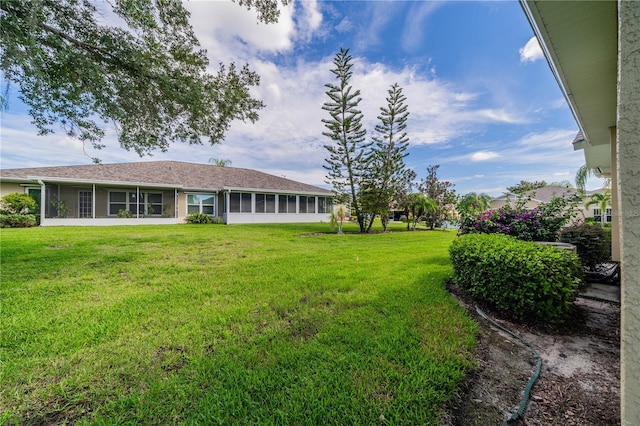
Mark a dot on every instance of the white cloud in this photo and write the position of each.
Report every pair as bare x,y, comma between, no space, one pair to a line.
484,156
531,51
415,25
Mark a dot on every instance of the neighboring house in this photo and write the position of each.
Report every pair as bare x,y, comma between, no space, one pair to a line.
593,49
546,193
158,192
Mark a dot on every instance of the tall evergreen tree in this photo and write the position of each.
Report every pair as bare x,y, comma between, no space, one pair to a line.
348,151
386,171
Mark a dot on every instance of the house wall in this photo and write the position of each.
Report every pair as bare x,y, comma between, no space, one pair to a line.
9,188
628,128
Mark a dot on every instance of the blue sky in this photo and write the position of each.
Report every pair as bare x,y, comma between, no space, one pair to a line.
483,103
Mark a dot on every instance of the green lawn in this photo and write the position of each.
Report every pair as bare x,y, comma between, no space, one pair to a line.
213,324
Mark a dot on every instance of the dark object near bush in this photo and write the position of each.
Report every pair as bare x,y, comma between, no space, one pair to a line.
17,220
591,241
526,279
199,218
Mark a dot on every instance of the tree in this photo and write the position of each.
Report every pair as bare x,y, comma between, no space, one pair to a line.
602,200
525,186
417,205
473,203
442,193
148,77
583,174
220,162
386,171
348,152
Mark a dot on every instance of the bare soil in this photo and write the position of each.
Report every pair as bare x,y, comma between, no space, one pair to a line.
579,383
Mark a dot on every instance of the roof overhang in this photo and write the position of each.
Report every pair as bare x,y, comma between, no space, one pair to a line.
580,41
100,182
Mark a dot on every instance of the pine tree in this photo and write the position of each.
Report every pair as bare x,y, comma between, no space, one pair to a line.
386,171
348,151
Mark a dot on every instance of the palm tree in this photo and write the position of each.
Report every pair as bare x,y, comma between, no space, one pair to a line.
602,200
473,203
417,205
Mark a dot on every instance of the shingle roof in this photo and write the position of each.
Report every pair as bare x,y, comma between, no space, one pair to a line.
170,173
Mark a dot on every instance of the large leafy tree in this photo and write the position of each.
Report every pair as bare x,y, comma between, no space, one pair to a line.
442,193
348,151
386,172
147,75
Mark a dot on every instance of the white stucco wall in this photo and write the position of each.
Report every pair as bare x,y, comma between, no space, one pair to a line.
628,127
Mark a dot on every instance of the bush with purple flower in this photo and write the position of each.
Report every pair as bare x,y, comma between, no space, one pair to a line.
539,224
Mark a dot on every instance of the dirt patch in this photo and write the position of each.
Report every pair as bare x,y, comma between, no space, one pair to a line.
579,383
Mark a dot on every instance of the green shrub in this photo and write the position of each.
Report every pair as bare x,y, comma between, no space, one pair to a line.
526,279
199,218
17,220
18,203
593,243
124,214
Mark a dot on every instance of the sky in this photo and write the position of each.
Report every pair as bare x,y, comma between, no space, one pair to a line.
483,103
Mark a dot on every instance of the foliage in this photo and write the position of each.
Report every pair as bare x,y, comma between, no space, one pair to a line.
337,218
17,203
473,203
243,324
124,214
11,220
348,151
148,74
602,200
526,279
442,193
62,209
525,186
416,207
386,172
591,241
539,224
199,218
220,162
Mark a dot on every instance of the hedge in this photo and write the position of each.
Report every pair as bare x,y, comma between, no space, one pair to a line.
526,279
17,220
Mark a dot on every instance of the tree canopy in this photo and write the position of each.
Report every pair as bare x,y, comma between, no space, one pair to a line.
525,186
147,76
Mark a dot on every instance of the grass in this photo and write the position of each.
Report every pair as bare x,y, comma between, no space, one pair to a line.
210,324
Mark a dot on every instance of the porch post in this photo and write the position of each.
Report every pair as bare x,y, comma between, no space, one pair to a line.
137,202
628,126
43,201
93,201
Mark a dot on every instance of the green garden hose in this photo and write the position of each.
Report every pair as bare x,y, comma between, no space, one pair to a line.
525,397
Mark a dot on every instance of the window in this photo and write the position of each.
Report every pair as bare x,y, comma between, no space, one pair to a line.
286,204
291,203
201,203
240,202
324,205
265,203
245,203
143,203
608,215
311,204
85,204
307,204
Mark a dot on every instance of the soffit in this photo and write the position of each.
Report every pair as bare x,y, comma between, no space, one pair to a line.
580,39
